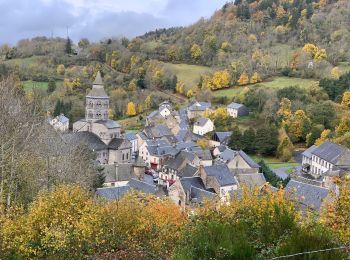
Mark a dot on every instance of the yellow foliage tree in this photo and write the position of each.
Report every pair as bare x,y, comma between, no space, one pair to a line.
343,127
180,87
110,113
220,79
225,46
132,85
285,109
196,52
148,102
60,69
243,79
131,110
346,99
324,137
189,93
335,73
255,78
336,213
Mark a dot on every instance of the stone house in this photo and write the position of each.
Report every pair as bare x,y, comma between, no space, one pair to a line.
203,126
324,158
198,109
119,151
156,152
237,110
60,123
219,178
190,191
242,163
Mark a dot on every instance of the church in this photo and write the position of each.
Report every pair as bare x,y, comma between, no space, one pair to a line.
98,132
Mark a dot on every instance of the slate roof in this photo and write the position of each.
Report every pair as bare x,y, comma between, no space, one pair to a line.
116,143
112,193
62,119
203,154
189,182
201,121
186,145
142,186
223,137
200,195
248,160
98,79
142,135
222,174
157,131
92,141
177,161
199,106
234,105
110,124
308,152
115,193
308,195
131,136
227,155
188,171
253,180
333,153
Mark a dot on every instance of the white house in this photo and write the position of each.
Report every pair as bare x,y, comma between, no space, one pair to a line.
203,126
324,158
165,109
60,123
236,110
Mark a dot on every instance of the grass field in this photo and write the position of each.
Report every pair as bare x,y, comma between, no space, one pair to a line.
188,74
23,61
29,85
276,83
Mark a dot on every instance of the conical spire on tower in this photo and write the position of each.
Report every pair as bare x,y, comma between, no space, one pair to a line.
97,87
98,79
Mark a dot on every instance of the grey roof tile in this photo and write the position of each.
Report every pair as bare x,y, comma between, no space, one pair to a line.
110,124
308,195
92,141
248,160
222,174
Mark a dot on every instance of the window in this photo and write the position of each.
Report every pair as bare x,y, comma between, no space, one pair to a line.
123,157
127,156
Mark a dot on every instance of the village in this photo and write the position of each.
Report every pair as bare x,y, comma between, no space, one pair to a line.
165,158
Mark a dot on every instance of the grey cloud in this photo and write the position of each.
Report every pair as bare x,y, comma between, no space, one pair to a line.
29,18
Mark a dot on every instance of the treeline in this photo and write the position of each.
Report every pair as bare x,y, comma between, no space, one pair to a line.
68,223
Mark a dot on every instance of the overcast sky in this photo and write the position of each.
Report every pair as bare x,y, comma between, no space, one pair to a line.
97,19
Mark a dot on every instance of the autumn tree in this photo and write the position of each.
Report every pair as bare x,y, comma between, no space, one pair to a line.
243,79
346,99
335,73
60,69
131,110
255,78
196,52
324,137
336,213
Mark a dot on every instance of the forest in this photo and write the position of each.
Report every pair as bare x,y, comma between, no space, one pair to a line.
288,61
